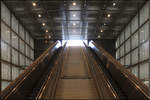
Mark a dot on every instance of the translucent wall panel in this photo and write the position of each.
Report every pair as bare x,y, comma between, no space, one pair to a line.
122,61
27,38
5,33
15,72
5,14
22,45
117,54
144,71
32,55
21,32
14,57
127,32
32,43
144,51
5,52
146,83
127,45
4,84
22,60
135,40
134,70
144,13
27,51
134,24
117,43
14,24
14,40
144,32
5,71
121,37
122,50
135,56
127,60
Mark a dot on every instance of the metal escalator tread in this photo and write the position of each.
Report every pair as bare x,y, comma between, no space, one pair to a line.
75,81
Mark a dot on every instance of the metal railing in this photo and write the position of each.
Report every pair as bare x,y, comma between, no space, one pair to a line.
132,87
23,84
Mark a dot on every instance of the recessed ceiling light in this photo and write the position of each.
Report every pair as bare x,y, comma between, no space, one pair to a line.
39,15
43,24
74,31
101,30
74,15
74,24
46,31
49,36
34,4
74,3
98,36
108,15
114,4
104,24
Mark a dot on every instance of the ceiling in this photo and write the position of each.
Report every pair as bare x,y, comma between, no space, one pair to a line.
74,19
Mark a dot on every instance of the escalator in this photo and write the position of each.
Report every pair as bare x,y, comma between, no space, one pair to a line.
79,72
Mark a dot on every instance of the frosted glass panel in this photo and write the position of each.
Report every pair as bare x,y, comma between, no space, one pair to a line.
135,40
22,44
14,40
127,31
127,60
144,71
5,13
32,55
144,13
5,71
5,33
27,37
22,60
134,70
14,57
21,31
32,43
144,51
117,54
122,38
122,50
5,51
134,24
14,24
122,61
127,49
135,56
117,43
15,72
144,32
4,84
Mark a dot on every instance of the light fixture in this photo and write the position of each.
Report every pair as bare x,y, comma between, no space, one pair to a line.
34,4
98,36
49,36
74,24
74,15
43,24
39,15
74,31
108,15
101,30
104,24
74,3
114,4
46,31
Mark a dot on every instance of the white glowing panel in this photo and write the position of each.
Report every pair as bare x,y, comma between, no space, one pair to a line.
4,84
144,51
127,31
144,32
134,24
6,70
5,51
14,24
14,40
144,71
135,40
134,70
5,33
75,43
15,72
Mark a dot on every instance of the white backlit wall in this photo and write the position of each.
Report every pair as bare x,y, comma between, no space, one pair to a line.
132,45
17,47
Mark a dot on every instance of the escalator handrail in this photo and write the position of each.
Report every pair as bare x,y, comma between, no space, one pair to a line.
138,84
40,93
12,87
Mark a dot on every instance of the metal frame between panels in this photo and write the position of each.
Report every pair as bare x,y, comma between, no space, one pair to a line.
149,44
0,56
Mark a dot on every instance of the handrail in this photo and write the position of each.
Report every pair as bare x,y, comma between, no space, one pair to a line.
125,79
56,67
13,87
97,75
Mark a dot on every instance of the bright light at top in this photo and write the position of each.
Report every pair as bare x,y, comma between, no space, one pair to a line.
74,3
75,43
74,15
34,4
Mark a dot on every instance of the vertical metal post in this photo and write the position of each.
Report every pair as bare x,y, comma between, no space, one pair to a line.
0,55
149,41
11,45
138,43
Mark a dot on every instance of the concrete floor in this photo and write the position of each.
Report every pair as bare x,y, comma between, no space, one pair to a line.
75,81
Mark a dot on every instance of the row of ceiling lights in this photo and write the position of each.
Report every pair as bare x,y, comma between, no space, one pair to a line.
39,15
108,16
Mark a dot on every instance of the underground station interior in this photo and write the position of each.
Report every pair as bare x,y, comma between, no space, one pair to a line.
75,49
